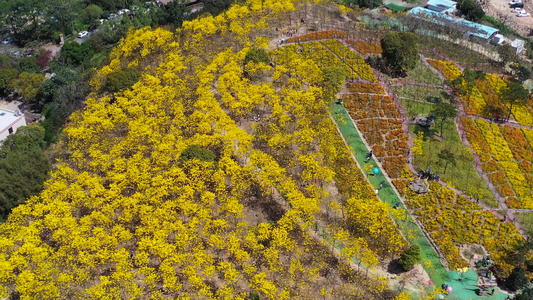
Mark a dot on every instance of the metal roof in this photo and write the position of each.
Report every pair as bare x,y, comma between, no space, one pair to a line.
478,30
445,3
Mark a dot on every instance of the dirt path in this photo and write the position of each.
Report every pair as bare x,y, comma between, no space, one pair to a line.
434,86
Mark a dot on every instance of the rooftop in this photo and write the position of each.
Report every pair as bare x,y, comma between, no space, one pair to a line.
478,30
442,3
8,118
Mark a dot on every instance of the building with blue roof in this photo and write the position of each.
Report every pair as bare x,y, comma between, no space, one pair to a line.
442,6
472,28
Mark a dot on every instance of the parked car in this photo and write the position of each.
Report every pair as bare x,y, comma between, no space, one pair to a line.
92,28
522,14
517,5
515,1
8,40
112,16
124,11
518,10
83,34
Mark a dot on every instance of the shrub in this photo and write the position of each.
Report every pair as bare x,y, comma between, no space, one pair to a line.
198,152
75,54
400,50
410,257
526,294
256,56
28,64
517,279
121,80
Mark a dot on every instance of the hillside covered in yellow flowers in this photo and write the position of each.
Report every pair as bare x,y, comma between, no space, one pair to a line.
206,179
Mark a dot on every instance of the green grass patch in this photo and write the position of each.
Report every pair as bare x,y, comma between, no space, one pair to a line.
463,175
421,74
419,94
526,220
457,53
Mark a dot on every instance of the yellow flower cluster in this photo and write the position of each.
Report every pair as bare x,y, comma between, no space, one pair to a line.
448,69
500,151
495,81
460,221
528,133
522,115
474,103
325,58
354,61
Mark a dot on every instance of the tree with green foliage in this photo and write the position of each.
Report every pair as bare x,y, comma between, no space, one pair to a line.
525,294
174,13
514,94
253,296
23,18
28,64
121,80
64,12
506,53
333,78
471,9
113,30
444,111
410,257
400,50
198,152
27,85
5,62
365,3
23,167
448,157
517,279
7,76
75,54
110,5
520,71
92,13
256,56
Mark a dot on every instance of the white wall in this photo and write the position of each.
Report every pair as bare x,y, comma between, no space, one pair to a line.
4,132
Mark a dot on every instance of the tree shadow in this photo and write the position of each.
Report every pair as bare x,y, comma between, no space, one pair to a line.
434,100
379,64
428,132
395,267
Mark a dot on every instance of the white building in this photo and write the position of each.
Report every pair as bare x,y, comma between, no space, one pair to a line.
518,46
10,121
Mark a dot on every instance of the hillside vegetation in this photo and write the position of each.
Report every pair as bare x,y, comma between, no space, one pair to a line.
126,214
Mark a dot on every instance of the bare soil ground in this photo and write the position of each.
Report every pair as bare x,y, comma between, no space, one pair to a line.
500,9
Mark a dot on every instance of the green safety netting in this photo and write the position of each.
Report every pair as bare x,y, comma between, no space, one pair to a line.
464,284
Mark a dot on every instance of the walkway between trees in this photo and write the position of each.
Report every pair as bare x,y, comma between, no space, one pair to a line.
464,285
388,194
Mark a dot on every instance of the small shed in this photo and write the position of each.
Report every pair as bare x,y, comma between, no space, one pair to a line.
441,6
498,39
518,46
